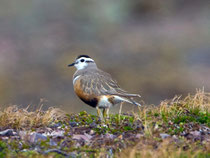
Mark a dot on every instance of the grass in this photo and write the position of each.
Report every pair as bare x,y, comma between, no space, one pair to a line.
13,117
175,117
124,135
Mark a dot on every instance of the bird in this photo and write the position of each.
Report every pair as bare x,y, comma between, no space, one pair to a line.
97,88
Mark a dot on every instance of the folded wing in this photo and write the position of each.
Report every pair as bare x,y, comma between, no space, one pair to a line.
101,83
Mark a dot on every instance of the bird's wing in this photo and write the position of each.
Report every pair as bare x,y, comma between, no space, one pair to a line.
101,83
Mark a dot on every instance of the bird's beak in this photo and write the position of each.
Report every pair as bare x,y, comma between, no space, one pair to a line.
71,64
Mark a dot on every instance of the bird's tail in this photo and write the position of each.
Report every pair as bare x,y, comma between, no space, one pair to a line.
129,100
125,94
135,103
126,98
129,95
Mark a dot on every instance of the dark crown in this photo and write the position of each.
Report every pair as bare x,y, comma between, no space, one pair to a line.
80,56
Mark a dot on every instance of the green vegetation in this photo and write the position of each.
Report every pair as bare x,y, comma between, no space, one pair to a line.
175,128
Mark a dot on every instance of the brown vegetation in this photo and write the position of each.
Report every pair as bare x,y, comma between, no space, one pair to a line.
175,128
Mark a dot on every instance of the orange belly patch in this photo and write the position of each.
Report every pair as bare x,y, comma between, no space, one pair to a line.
89,99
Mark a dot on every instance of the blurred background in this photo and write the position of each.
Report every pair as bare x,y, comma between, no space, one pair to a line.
152,47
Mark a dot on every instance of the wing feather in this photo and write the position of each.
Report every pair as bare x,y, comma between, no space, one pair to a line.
101,83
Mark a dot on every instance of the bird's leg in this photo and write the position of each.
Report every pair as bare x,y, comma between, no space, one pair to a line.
99,113
120,111
104,115
106,112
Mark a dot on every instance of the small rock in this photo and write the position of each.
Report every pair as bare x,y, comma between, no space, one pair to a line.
55,125
52,143
27,135
139,135
59,133
24,150
35,137
73,155
56,151
205,129
86,137
109,136
37,149
7,132
93,125
32,137
73,124
5,138
164,135
175,137
195,133
92,132
23,135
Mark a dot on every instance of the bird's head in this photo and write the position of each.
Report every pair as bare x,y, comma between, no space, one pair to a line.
83,61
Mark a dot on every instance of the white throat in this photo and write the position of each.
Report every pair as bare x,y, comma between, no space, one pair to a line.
81,66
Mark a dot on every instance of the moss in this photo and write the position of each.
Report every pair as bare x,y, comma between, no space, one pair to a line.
3,149
131,134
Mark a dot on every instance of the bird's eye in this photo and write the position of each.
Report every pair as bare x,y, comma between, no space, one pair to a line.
82,60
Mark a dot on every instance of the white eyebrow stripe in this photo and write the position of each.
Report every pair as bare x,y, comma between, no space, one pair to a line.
89,59
86,59
76,78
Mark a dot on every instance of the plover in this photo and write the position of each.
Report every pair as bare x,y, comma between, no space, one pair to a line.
96,87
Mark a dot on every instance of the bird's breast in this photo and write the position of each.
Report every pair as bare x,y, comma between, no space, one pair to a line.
84,95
